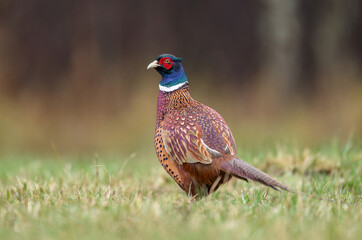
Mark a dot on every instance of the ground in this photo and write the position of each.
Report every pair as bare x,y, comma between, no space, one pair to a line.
131,197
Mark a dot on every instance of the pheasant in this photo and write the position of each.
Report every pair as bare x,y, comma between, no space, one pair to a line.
193,142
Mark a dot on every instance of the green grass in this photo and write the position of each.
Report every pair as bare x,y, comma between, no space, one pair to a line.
132,198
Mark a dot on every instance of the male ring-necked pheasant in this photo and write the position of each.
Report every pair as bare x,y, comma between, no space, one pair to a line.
193,143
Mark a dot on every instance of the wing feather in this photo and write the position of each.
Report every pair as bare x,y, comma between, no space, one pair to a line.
183,137
185,146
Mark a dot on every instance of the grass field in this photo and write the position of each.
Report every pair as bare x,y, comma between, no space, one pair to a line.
130,197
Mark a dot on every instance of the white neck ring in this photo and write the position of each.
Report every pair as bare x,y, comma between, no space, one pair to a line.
172,88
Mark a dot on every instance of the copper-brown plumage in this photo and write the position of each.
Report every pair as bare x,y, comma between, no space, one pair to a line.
192,141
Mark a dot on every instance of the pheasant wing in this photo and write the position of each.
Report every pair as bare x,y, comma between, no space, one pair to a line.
191,139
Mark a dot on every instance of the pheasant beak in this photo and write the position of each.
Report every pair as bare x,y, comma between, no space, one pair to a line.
153,64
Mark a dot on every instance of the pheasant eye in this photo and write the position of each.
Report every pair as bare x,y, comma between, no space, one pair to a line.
166,63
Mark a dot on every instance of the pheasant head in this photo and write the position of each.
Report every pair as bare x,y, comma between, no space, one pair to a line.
171,70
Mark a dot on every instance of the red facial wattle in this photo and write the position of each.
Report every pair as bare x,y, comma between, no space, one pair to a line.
166,63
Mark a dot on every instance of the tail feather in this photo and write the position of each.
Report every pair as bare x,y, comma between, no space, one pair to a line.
240,169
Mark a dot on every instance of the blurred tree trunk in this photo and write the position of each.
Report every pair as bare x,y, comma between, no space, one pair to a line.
280,33
331,40
326,46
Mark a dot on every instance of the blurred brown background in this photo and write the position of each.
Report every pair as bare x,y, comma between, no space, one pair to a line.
73,73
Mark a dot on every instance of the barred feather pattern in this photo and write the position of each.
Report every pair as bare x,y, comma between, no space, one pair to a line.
196,147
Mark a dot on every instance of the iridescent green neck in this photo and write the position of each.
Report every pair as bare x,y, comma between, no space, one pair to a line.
174,79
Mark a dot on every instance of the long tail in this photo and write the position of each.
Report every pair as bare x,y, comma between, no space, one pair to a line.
240,169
